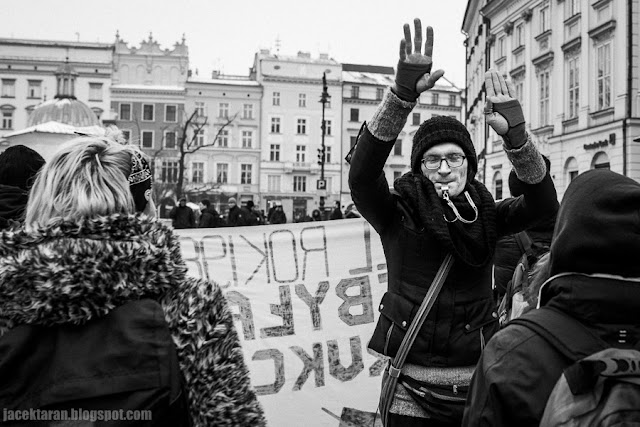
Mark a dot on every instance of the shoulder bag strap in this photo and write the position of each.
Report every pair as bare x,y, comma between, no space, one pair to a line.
395,367
566,334
524,242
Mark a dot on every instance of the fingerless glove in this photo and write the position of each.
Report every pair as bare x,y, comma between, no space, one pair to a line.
511,110
407,77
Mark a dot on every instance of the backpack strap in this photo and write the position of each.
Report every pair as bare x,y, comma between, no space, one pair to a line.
566,334
524,242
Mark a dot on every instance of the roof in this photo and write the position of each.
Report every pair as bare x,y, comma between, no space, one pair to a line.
57,127
63,110
223,81
56,43
147,87
379,69
367,78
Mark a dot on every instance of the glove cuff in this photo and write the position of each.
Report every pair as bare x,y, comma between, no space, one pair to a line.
515,136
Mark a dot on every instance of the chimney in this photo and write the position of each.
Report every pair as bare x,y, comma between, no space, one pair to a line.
215,74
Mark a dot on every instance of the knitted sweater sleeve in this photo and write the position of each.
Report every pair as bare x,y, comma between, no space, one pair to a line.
527,162
210,356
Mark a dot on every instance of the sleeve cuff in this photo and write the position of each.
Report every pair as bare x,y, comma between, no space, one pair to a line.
390,117
527,162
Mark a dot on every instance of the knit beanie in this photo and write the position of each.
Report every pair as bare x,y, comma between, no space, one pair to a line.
438,130
18,166
596,229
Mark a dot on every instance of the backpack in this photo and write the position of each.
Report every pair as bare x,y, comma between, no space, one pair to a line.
514,302
126,360
602,385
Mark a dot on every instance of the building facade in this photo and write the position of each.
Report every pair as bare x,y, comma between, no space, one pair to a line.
27,77
363,87
574,66
291,130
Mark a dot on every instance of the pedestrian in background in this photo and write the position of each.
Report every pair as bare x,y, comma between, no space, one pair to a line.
592,281
439,208
182,215
234,217
99,311
316,215
336,213
18,167
277,216
209,217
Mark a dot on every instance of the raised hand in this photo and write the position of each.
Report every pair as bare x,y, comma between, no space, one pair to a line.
414,68
503,111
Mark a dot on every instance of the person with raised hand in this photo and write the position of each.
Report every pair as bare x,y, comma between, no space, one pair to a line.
437,209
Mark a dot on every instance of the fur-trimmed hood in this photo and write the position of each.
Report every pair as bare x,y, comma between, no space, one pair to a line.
71,272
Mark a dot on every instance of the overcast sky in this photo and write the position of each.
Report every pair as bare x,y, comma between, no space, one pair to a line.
225,34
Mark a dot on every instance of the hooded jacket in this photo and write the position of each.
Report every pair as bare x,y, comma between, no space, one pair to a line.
592,280
12,203
71,273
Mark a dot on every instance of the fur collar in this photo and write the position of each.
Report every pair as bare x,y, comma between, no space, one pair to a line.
71,272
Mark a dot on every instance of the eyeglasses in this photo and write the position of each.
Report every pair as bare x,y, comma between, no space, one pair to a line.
454,160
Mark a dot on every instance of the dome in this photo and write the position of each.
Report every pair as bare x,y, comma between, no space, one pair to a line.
63,110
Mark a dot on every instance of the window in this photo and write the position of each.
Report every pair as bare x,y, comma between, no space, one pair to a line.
355,91
500,48
274,153
396,175
7,119
603,75
223,138
170,139
275,124
147,139
126,134
299,183
148,112
452,100
379,93
302,100
435,97
223,173
600,161
397,148
223,110
170,113
273,182
327,154
302,126
301,153
200,137
544,18
247,111
354,115
95,91
197,172
572,175
497,185
519,35
200,109
416,119
327,127
353,140
169,171
98,112
572,7
571,169
519,84
245,173
544,97
35,89
276,98
8,88
125,112
573,86
247,139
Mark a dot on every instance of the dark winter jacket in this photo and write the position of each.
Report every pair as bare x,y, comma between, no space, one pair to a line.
336,213
592,281
183,217
68,274
209,218
277,217
12,203
236,217
464,314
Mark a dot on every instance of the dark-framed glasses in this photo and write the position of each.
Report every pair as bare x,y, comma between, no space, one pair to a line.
454,160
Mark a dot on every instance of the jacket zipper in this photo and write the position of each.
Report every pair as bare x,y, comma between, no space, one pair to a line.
386,343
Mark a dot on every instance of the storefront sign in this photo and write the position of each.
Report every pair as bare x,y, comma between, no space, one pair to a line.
602,143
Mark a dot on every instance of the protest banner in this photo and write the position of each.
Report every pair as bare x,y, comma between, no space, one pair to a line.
305,301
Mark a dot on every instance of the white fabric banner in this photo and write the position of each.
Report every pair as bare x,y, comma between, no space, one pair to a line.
305,299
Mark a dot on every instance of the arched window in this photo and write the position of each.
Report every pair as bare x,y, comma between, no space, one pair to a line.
571,170
600,161
497,185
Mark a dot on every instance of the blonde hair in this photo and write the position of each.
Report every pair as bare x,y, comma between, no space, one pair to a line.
87,177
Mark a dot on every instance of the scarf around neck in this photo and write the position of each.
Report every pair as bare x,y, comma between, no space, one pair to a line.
474,243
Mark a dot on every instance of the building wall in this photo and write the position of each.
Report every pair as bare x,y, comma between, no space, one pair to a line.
22,61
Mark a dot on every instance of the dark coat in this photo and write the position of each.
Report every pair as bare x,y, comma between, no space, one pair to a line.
96,266
464,310
277,217
209,218
336,213
518,369
183,217
235,217
12,203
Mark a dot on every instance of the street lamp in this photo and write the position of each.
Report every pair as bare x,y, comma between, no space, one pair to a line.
324,99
